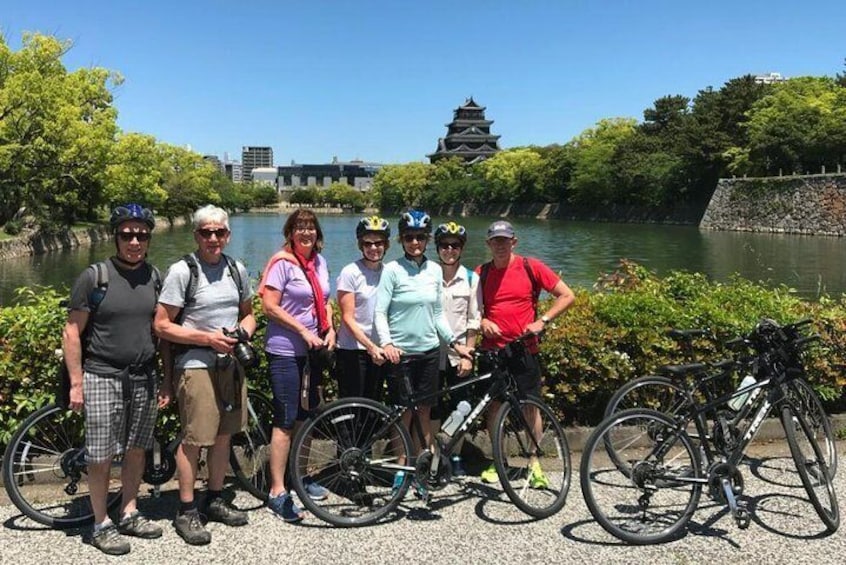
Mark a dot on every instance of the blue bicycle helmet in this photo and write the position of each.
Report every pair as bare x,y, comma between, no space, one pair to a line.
373,224
415,220
451,229
129,212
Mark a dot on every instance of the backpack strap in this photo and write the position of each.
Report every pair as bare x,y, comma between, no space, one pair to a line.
536,288
235,273
157,281
101,286
191,289
470,275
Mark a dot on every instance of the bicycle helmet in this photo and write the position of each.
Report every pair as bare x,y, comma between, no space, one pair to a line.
373,224
415,220
129,212
451,229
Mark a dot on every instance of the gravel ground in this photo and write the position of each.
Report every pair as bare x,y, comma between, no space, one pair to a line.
470,522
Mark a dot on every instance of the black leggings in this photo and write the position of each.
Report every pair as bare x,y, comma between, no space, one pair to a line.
358,375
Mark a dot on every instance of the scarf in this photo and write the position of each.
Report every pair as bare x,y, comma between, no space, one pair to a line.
309,268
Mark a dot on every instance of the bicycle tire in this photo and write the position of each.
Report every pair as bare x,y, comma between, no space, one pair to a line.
44,469
809,459
806,399
347,447
654,392
514,458
249,450
655,501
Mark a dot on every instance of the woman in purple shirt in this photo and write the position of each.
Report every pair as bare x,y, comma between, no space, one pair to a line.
295,298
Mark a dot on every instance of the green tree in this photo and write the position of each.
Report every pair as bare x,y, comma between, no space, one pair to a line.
512,175
592,182
56,129
396,186
187,179
135,171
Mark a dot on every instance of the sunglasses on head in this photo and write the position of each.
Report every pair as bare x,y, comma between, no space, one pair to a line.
449,245
207,233
127,236
409,237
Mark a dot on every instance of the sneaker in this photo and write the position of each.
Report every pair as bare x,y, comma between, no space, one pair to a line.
457,467
218,510
315,490
138,526
420,490
537,479
109,541
283,507
399,478
190,527
490,475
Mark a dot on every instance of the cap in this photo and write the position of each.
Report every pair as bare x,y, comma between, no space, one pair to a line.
500,228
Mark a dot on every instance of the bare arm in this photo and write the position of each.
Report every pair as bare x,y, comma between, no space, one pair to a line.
346,301
564,298
72,350
271,305
166,328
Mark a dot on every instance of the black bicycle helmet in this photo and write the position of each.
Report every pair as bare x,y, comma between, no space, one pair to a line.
129,212
415,220
373,224
451,229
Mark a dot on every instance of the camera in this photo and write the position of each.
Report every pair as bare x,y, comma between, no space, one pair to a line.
244,352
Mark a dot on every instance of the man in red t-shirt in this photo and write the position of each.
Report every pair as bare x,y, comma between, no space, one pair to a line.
507,299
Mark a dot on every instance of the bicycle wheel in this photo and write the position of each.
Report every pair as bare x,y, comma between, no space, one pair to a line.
805,399
534,471
353,447
45,469
652,391
249,451
654,501
810,463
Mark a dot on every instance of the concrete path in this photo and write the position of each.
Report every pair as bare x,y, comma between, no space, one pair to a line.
474,523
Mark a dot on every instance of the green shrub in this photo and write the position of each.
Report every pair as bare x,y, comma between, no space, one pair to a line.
13,227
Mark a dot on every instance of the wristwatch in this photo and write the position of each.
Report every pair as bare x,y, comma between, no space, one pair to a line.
545,319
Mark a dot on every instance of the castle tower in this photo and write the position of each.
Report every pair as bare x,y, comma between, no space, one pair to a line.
468,135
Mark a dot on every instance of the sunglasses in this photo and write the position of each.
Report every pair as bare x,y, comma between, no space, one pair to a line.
305,227
380,243
207,233
449,245
126,236
409,237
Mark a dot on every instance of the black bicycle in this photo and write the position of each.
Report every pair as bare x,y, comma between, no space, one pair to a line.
355,447
652,497
45,463
669,389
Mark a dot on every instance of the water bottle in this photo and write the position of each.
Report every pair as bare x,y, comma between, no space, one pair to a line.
455,419
737,402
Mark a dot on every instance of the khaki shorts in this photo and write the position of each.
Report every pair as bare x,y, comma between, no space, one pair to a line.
203,396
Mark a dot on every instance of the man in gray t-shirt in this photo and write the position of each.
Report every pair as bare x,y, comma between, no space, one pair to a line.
209,386
109,352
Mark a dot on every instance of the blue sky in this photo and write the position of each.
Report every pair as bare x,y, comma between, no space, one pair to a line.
377,80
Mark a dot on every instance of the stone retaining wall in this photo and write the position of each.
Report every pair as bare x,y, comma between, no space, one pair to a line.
811,204
39,243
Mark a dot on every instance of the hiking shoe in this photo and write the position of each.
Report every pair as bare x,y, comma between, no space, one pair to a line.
109,541
138,526
399,479
490,475
537,479
218,510
190,527
315,490
457,467
283,507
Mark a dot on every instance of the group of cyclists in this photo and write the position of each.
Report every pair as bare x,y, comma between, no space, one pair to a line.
411,316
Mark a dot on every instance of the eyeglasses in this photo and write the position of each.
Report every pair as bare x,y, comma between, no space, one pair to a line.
409,237
306,227
206,233
380,243
446,245
127,236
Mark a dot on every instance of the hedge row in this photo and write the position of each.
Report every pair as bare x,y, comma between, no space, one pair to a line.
613,333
